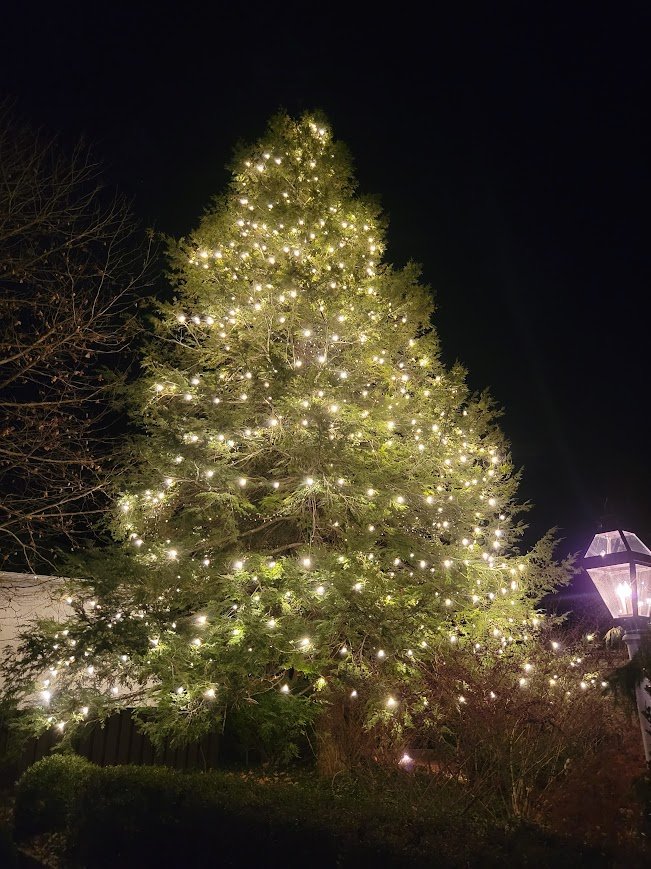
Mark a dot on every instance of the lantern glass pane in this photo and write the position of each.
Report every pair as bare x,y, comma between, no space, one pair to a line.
606,543
643,573
635,543
614,585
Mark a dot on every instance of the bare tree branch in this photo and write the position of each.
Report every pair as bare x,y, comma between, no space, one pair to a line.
71,272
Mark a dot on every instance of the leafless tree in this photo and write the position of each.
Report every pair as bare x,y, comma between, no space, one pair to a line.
71,272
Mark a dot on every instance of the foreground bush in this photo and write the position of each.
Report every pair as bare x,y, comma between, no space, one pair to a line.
153,816
47,793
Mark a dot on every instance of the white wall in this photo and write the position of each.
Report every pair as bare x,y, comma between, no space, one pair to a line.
25,597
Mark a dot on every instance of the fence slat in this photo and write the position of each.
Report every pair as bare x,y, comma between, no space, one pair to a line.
117,743
110,753
125,743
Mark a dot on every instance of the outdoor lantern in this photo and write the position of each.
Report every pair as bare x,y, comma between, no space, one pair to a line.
619,564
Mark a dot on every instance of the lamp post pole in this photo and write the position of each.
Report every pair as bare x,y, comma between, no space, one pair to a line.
633,637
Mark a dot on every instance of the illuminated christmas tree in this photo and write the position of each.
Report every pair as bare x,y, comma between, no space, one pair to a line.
319,511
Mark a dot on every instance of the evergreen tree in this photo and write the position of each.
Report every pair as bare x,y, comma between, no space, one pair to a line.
319,513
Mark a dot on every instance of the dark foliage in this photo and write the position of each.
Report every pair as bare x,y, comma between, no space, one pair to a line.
151,816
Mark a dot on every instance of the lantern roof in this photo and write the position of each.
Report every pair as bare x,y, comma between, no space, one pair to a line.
616,547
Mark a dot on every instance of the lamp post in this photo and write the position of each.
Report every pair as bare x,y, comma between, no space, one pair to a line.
619,564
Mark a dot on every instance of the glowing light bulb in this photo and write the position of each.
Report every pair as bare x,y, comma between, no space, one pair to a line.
623,592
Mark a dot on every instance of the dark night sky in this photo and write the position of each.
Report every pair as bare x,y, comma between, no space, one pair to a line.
509,145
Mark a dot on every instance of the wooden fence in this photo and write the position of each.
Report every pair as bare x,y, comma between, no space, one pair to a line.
118,742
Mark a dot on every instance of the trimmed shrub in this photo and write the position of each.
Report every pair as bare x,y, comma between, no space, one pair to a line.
47,793
156,817
153,816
